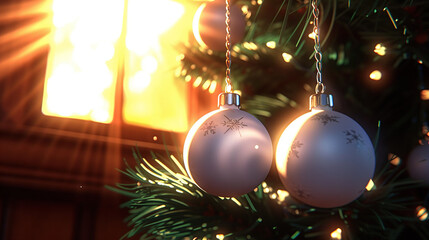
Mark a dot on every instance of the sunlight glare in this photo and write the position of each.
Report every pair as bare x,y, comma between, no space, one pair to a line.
80,77
146,24
152,96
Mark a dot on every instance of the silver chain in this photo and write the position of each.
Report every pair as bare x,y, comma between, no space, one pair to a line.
228,87
320,87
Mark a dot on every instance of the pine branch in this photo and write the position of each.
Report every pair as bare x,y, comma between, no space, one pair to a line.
166,204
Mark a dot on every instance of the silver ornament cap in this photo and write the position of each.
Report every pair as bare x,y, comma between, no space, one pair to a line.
228,98
321,100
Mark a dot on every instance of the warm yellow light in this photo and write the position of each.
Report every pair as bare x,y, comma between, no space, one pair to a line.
206,85
245,9
220,236
237,92
188,78
197,81
312,35
424,94
145,23
370,186
422,213
81,70
380,49
286,140
271,44
139,82
250,45
375,75
81,73
282,195
196,26
149,64
212,88
152,96
336,234
286,57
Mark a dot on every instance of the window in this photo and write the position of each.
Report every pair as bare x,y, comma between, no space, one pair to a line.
111,55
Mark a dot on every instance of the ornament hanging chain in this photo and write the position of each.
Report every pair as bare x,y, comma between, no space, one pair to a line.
228,87
320,87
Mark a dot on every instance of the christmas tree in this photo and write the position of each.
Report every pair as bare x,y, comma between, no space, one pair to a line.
375,59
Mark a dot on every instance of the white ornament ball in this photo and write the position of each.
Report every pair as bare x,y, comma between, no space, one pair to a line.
418,163
228,152
325,159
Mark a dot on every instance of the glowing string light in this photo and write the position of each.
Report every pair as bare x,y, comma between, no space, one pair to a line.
375,75
380,49
336,234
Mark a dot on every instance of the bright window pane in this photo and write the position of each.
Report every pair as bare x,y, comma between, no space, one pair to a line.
152,97
81,72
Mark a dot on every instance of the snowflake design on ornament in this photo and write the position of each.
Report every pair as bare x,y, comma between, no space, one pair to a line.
353,136
209,128
325,118
294,148
301,193
233,124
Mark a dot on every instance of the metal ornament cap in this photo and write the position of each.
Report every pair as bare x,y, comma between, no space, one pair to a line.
228,98
321,100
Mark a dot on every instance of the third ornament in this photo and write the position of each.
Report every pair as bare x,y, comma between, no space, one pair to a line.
209,25
324,158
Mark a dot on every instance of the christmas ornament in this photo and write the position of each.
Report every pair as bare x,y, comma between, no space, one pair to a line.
324,158
418,163
228,152
209,25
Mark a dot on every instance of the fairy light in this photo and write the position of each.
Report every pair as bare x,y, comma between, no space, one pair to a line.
312,35
286,57
250,45
336,234
220,236
271,44
424,94
422,213
370,186
188,78
212,87
197,81
380,49
245,9
375,75
206,85
282,195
